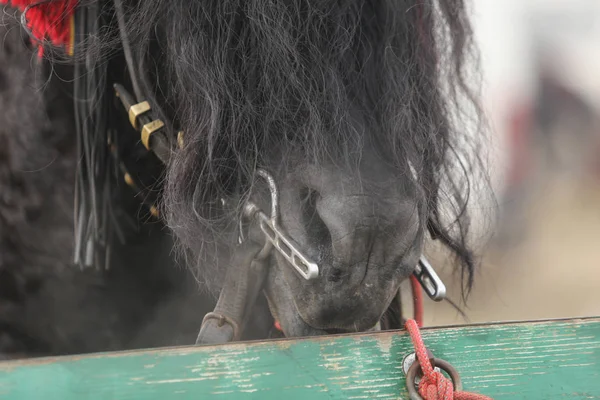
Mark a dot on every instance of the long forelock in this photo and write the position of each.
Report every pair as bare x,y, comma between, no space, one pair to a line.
245,78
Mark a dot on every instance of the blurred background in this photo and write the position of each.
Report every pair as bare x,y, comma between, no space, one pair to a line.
541,91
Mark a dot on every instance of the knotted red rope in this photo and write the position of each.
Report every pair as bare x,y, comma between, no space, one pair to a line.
50,20
434,385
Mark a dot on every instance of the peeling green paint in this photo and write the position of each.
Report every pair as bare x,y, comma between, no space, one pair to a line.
506,361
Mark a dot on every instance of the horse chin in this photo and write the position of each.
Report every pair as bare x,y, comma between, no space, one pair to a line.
359,325
297,326
332,330
292,317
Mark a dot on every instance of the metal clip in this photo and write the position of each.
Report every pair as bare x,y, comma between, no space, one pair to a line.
136,110
429,280
275,237
149,129
307,269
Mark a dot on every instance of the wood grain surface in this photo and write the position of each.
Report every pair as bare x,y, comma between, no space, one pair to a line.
533,360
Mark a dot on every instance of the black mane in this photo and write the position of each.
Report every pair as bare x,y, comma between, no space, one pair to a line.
247,81
243,77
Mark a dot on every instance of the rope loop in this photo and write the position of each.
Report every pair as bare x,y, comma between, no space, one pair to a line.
434,385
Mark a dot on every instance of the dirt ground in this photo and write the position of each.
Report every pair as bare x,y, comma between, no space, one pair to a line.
551,270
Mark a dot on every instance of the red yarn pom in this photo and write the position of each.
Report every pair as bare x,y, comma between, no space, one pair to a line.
49,20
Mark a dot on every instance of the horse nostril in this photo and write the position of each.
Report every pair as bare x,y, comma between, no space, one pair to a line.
317,232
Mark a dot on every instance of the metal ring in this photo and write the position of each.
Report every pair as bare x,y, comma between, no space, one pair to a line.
411,375
222,320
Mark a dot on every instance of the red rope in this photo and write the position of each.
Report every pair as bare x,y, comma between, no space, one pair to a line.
417,300
434,385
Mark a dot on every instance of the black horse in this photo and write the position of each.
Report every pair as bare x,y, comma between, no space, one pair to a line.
352,110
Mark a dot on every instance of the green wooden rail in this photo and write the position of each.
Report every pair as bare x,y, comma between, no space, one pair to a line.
529,360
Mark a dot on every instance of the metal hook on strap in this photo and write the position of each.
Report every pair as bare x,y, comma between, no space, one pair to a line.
430,280
275,237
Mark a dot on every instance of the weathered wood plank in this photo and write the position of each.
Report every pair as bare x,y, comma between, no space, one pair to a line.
543,360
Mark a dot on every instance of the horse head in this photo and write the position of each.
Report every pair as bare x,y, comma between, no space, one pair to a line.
321,142
348,106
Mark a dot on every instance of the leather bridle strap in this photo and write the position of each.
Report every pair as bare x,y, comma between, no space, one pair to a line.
246,275
153,130
120,13
144,123
243,283
245,278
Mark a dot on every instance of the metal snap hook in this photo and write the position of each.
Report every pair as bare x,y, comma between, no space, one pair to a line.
430,280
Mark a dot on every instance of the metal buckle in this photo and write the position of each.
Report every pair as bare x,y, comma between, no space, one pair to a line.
136,110
429,280
275,237
149,129
223,319
180,142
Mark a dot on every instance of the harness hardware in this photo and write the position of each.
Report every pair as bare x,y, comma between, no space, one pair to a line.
136,110
430,280
239,289
275,237
149,129
223,319
128,179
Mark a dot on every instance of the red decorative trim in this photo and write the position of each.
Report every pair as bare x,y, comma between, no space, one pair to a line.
49,20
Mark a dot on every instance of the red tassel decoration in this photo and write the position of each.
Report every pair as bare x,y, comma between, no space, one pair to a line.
51,20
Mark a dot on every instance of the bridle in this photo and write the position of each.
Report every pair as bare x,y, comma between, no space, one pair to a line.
221,324
242,286
279,241
275,238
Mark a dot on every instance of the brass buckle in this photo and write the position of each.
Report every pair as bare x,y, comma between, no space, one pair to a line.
180,139
136,110
149,129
